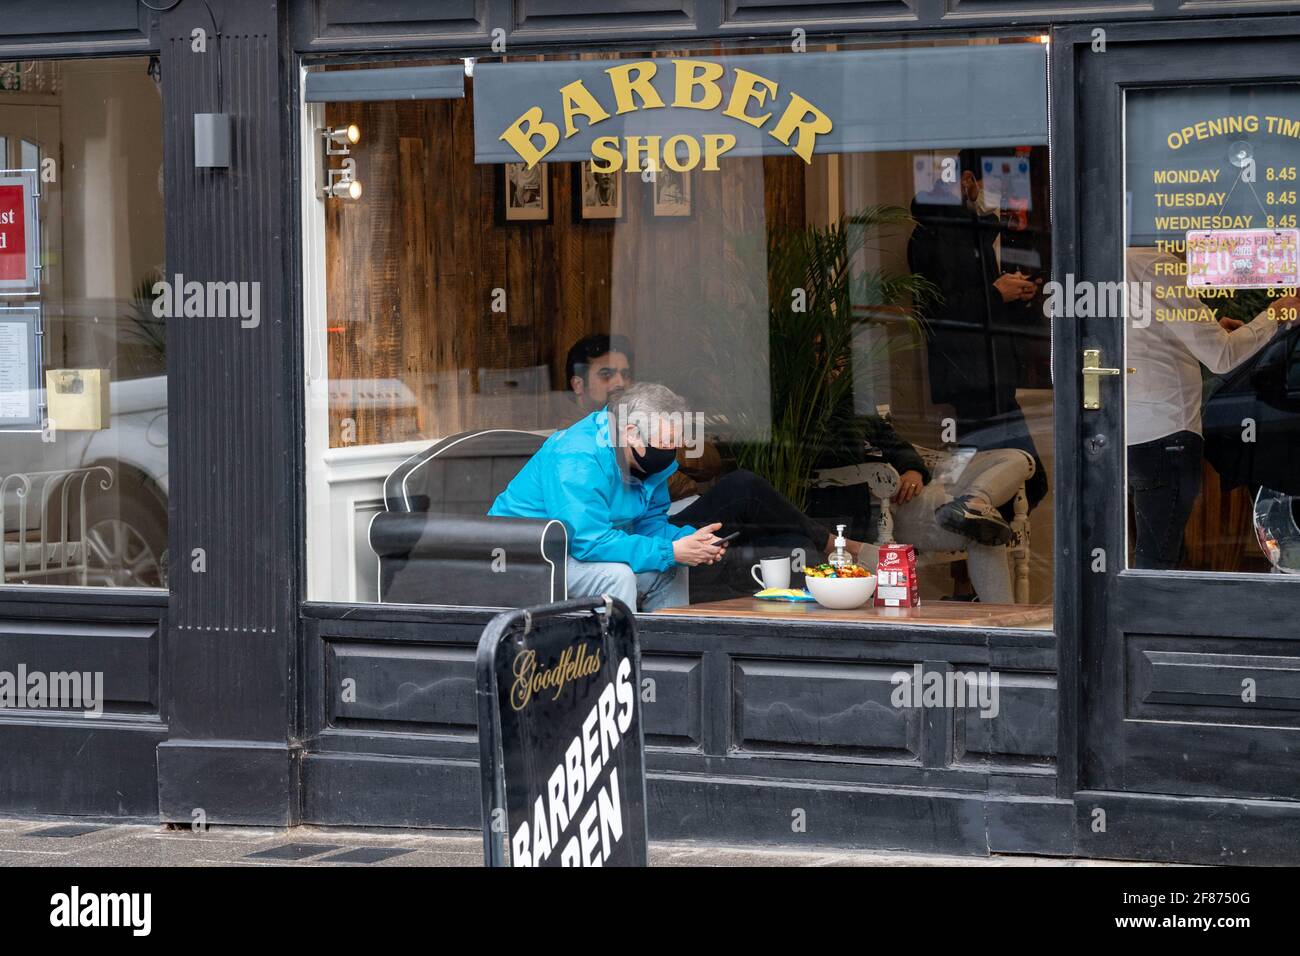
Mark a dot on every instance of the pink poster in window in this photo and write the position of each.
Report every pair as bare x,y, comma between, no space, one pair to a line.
1243,258
14,265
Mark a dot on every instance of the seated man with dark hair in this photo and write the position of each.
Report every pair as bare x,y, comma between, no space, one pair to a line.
599,370
962,515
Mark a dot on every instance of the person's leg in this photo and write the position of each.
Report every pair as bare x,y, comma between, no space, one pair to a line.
994,477
1148,494
915,524
744,502
983,493
1164,478
591,578
990,573
660,589
1006,429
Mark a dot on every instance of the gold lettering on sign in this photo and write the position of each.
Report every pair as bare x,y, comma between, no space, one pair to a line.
696,85
531,679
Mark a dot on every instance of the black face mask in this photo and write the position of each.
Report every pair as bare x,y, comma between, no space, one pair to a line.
653,461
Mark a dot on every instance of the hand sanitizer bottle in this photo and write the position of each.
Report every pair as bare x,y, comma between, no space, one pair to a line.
840,557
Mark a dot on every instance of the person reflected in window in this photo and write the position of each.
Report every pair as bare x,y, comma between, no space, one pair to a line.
1171,333
976,358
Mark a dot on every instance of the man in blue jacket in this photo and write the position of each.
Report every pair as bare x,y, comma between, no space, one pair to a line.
606,478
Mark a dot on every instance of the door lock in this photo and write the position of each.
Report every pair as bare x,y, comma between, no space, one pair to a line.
1092,371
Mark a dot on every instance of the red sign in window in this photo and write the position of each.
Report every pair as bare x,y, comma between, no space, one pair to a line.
13,233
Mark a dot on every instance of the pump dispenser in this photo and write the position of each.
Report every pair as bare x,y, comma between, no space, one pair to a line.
840,557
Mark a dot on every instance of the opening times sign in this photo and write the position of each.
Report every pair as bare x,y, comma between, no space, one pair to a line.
560,738
1213,175
18,233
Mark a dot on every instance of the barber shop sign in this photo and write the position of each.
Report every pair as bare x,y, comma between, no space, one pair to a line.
560,738
635,116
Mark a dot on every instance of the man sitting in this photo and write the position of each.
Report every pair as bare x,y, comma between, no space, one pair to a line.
960,515
606,478
598,369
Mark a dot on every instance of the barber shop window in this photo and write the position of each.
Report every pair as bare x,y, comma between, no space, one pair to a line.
571,321
83,386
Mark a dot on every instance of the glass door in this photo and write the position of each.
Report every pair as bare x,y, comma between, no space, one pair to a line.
1189,418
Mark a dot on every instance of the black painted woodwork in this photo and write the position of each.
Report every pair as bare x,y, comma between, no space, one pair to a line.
1161,654
230,645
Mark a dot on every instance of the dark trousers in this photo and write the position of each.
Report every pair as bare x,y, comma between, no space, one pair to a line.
1164,478
744,502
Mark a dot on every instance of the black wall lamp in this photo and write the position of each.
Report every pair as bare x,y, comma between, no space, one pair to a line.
212,140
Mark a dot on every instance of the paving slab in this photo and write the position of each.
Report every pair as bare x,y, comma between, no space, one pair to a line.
47,842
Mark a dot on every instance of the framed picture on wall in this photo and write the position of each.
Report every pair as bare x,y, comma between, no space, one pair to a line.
525,194
596,196
672,193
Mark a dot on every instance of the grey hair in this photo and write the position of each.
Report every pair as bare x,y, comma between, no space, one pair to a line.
643,403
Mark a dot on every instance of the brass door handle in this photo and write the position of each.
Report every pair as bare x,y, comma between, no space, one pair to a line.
1092,371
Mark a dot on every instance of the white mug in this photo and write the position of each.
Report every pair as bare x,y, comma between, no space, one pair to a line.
776,573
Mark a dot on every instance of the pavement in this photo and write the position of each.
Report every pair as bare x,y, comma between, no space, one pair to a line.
76,842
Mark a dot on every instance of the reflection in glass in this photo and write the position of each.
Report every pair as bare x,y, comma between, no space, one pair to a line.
83,386
1277,531
1211,266
861,333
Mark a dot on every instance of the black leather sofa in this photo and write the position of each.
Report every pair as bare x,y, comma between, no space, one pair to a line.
436,544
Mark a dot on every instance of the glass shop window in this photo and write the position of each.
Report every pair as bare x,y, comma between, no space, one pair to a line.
565,316
1212,266
83,384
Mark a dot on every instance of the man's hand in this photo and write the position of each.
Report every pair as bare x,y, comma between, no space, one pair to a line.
910,484
1230,324
1014,287
702,547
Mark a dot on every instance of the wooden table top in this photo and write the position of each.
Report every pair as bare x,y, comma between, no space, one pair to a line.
949,613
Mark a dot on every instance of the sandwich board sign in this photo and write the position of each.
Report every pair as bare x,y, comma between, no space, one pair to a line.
561,746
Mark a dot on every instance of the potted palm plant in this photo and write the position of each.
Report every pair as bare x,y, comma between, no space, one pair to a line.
820,298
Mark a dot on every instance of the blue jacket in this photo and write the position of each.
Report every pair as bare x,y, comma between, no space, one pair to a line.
575,477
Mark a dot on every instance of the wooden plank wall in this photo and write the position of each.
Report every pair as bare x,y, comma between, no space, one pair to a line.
412,265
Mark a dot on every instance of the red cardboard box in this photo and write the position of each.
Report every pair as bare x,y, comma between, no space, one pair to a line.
896,577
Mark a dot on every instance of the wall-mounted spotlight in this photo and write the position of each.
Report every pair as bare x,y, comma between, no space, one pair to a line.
469,65
344,188
339,182
339,139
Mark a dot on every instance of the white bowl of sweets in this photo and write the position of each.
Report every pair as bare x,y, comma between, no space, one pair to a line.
840,588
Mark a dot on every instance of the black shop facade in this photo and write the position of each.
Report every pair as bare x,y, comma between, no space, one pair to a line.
290,294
